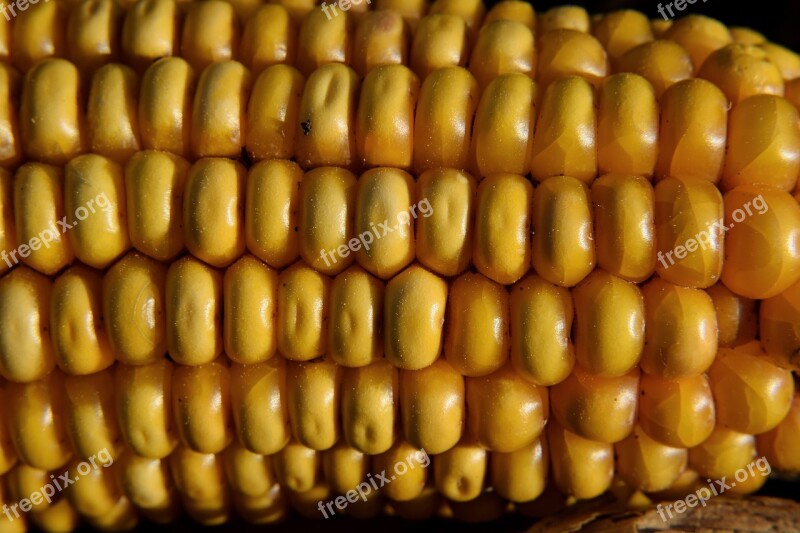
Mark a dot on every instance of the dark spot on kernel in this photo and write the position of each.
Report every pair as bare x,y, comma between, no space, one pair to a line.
306,125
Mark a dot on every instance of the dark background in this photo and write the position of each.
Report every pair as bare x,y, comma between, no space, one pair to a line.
779,21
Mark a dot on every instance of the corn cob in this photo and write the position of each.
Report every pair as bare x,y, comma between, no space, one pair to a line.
220,330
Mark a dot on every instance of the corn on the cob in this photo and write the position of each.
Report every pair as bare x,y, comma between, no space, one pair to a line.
222,329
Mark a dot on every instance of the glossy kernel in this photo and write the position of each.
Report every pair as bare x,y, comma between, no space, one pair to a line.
201,401
219,110
165,105
303,304
381,38
737,317
779,326
312,394
663,63
268,38
459,472
440,41
370,404
581,468
741,71
355,334
521,475
502,46
646,464
569,52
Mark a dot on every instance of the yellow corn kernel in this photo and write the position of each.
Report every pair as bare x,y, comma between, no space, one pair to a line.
77,325
694,125
501,249
565,141
541,322
563,242
620,31
10,140
459,473
258,402
218,111
213,209
741,71
112,112
762,248
370,406
752,395
297,8
737,317
201,399
249,474
520,475
385,120
581,467
596,407
410,485
154,185
51,121
663,63
700,36
91,415
26,351
355,336
787,61
5,39
778,445
344,467
37,34
268,38
91,37
414,308
303,303
165,106
8,239
443,124
36,422
58,517
210,33
325,220
323,40
144,408
193,302
476,342
793,92
471,11
381,38
721,454
312,393
410,10
383,213
569,52
778,326
563,17
97,495
681,336
20,483
271,209
432,406
627,126
151,30
268,508
8,457
624,226
272,113
505,412
746,35
94,194
515,10
609,324
646,464
688,237
440,41
297,468
768,152
676,412
250,291
502,47
148,485
200,480
502,138
327,118
444,234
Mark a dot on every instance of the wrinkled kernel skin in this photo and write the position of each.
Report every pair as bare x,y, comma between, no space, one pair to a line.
505,412
663,63
432,406
779,445
723,453
303,303
477,339
779,327
676,412
501,249
563,233
370,406
521,475
681,337
580,467
414,309
752,395
762,252
355,333
610,324
742,71
568,52
595,407
312,394
541,322
737,317
459,473
646,464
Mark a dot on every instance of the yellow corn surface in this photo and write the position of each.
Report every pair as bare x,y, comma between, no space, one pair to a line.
257,256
